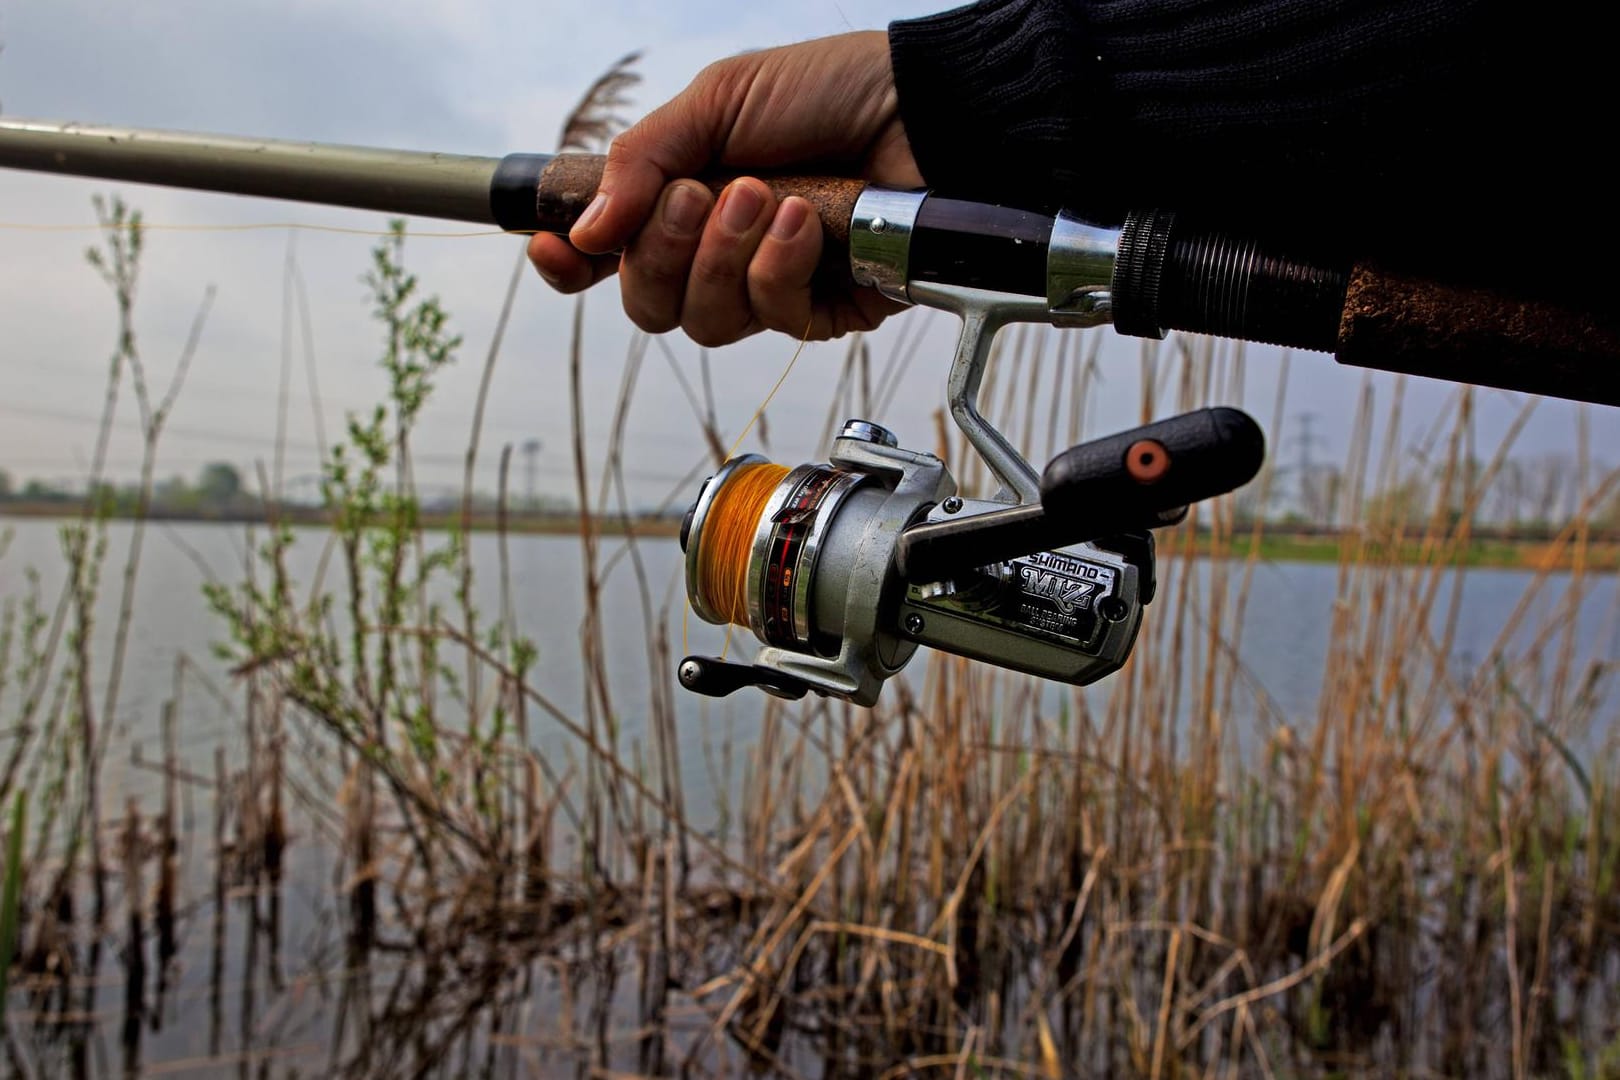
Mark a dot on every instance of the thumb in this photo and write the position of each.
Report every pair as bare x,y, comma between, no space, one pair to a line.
680,138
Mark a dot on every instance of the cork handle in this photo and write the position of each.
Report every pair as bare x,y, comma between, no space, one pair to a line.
1397,322
569,182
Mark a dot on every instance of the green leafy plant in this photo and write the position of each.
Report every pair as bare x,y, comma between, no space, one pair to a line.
11,893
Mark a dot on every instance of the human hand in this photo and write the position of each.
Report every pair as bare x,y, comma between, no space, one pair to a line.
723,269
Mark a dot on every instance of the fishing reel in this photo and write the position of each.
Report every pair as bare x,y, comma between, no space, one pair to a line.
842,569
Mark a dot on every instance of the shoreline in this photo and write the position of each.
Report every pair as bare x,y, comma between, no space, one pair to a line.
1279,542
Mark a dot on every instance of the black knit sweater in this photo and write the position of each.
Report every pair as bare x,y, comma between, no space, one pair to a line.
1425,131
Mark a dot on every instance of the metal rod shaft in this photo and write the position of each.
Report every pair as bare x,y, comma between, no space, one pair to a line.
436,185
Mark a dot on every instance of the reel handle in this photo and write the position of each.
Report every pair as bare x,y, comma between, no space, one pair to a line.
1133,481
714,677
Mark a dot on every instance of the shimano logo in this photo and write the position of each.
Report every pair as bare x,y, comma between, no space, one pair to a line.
1067,593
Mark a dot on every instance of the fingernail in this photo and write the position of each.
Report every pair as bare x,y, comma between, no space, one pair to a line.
742,206
592,212
789,218
684,210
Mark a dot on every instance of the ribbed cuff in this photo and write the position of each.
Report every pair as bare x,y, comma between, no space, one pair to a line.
994,96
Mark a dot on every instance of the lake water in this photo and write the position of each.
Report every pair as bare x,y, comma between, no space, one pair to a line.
1284,638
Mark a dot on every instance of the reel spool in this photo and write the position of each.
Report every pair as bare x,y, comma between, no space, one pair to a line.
754,543
759,530
802,557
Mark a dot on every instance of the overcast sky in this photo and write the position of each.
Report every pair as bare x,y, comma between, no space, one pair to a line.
470,77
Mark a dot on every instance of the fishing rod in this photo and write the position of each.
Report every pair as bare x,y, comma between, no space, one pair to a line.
843,569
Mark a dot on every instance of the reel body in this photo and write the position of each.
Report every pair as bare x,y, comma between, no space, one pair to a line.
1069,614
822,590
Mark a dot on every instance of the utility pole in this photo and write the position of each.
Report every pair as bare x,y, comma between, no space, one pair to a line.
531,472
1310,500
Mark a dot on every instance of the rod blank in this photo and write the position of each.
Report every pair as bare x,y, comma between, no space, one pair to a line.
452,186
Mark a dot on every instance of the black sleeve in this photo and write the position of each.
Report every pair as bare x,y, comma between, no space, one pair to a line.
1395,125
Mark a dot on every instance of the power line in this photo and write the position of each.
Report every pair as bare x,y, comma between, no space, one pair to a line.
261,442
305,450
241,393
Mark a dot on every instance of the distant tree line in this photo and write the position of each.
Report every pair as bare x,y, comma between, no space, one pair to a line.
216,490
1531,496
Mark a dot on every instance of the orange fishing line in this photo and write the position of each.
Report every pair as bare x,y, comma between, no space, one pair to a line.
728,538
740,564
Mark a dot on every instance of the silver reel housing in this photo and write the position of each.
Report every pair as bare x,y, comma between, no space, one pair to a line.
834,616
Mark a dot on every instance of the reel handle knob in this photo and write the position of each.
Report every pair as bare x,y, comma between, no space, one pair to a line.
1136,478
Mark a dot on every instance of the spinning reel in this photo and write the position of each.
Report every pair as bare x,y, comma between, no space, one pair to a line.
842,569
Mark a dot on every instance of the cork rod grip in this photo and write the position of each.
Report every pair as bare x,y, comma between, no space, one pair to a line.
1396,322
568,183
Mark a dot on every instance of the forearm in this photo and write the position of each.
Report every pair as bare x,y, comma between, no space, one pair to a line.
1361,110
995,97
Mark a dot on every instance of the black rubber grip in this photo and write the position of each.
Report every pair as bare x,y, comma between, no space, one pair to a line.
1204,453
713,677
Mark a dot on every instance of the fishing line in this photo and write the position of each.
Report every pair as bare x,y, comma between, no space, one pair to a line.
261,226
794,359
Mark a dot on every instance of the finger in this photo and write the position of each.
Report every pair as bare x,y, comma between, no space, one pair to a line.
566,269
677,139
859,311
780,275
716,309
652,276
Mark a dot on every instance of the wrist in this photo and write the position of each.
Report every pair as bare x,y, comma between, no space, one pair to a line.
992,96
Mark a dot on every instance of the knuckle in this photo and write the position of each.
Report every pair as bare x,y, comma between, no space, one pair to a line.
623,149
652,322
720,78
707,336
712,328
649,305
714,271
648,261
770,278
780,322
776,313
663,289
